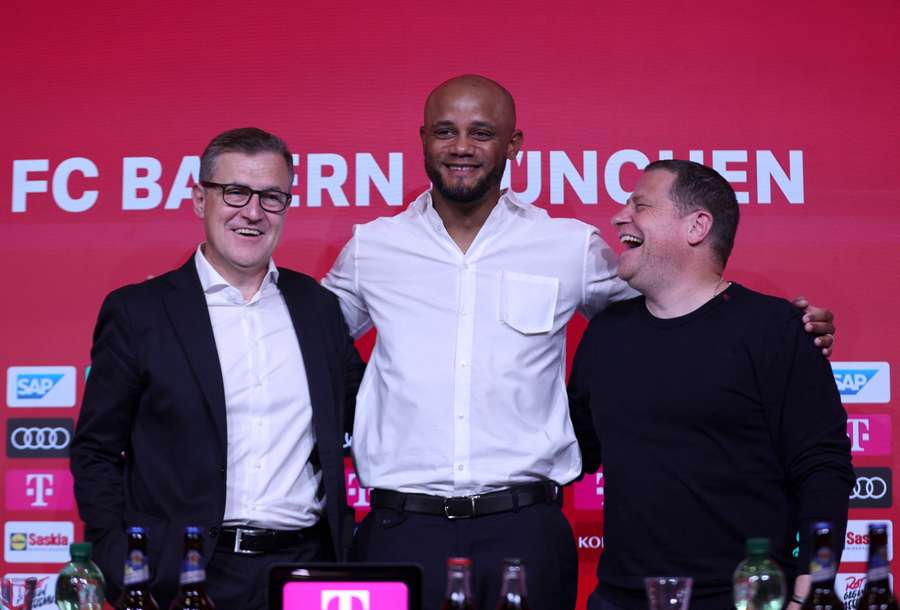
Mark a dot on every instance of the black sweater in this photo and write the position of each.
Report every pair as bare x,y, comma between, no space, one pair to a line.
713,427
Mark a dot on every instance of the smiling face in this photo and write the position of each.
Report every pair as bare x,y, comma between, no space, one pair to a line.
468,135
654,233
240,241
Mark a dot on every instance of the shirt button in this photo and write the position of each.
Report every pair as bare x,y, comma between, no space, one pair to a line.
258,465
460,467
461,416
463,364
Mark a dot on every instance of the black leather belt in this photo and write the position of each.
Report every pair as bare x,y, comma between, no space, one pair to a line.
466,507
253,541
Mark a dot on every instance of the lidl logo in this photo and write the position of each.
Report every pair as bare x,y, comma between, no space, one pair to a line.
863,382
40,386
18,541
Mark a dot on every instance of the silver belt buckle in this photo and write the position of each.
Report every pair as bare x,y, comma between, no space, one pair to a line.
457,500
238,536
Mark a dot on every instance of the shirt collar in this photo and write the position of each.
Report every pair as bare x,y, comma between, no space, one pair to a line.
423,202
212,281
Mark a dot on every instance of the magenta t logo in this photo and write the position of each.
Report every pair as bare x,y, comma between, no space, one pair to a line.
870,434
345,596
345,600
39,490
589,492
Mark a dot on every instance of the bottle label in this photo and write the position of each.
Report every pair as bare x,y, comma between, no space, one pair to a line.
879,568
192,568
136,569
821,565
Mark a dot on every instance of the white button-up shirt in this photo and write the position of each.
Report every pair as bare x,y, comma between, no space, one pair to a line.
270,481
465,389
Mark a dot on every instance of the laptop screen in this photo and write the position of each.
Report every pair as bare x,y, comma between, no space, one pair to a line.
345,586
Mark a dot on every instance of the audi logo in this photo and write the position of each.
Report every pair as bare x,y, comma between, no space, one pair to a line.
869,488
40,438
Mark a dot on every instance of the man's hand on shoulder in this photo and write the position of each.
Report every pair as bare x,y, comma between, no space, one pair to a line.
817,321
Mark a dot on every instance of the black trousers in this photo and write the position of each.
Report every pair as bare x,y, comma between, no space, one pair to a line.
538,534
240,582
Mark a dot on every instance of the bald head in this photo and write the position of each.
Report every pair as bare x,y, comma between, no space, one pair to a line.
493,97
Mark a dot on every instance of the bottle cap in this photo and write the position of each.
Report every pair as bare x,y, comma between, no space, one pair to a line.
821,525
459,562
513,561
192,530
136,530
80,551
758,546
877,527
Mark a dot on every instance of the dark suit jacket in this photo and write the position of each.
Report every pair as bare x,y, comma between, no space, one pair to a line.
150,446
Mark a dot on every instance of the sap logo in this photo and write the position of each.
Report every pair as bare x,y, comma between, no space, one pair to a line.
345,599
35,386
40,386
863,382
856,541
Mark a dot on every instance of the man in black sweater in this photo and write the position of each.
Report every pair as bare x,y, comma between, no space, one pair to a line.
716,417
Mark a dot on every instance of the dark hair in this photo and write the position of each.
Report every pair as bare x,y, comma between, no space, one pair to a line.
699,187
247,140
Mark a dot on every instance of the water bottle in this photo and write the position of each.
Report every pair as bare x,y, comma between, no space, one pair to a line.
758,581
80,585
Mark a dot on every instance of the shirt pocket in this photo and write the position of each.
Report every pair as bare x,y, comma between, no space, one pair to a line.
528,302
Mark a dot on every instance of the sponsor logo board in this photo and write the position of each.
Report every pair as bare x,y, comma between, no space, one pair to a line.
39,490
38,437
589,492
37,541
863,382
40,386
849,587
14,587
856,541
869,434
873,488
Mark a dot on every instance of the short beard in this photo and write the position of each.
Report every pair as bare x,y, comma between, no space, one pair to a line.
463,194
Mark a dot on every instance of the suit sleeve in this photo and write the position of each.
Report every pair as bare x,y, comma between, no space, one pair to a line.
809,424
579,391
112,392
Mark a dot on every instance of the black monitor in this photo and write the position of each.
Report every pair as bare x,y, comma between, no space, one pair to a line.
345,586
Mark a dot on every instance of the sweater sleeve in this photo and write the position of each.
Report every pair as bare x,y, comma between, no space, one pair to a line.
808,425
579,391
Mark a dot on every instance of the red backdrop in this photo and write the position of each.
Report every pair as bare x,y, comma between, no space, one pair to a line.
106,106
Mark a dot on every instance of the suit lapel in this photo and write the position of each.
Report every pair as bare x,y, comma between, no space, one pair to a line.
187,309
306,321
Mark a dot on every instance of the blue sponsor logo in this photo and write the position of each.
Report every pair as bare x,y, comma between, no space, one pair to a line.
851,381
35,386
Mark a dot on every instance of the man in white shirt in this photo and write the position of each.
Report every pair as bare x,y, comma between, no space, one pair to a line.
216,397
462,423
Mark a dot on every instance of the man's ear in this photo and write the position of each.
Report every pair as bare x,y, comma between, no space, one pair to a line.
514,145
198,197
699,227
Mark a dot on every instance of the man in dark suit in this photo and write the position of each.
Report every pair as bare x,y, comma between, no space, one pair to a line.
216,397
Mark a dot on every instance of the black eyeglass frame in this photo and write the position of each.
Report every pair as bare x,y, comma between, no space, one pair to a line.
259,196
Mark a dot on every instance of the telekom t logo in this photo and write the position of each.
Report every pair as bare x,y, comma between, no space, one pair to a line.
345,599
870,434
357,496
589,492
39,486
42,490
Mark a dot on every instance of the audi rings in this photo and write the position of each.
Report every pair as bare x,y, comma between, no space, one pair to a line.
40,438
869,488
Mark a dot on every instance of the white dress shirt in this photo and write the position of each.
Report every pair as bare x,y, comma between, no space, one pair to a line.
270,481
465,389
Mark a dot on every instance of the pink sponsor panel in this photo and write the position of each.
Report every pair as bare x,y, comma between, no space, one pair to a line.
39,489
346,596
589,492
869,434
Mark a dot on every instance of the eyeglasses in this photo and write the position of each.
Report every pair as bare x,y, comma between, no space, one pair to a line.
238,195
